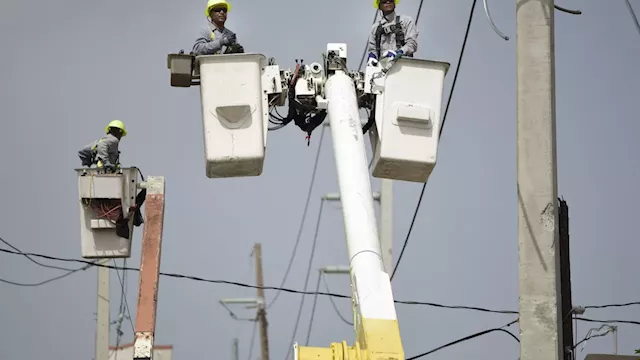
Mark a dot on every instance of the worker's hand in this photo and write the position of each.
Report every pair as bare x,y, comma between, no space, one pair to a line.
228,39
109,168
372,61
393,55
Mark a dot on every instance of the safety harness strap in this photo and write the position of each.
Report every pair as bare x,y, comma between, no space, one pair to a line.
396,29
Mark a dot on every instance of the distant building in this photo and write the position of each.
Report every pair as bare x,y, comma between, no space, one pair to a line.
125,352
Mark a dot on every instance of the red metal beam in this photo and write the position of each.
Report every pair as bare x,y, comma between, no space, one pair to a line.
149,269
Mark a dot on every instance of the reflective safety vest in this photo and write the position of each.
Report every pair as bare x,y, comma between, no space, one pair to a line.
392,29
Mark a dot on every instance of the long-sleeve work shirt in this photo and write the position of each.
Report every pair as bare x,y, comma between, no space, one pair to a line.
388,39
210,41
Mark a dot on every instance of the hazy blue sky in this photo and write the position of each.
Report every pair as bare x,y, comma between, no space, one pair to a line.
71,66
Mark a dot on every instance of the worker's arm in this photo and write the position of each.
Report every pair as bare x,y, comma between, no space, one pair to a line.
205,46
107,150
371,43
410,36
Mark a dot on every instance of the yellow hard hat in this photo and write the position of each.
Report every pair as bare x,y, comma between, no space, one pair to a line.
212,3
376,3
118,125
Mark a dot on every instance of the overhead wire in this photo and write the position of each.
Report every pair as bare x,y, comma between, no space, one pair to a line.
633,15
444,119
302,220
313,309
35,261
252,343
292,291
333,303
123,298
469,337
306,280
589,336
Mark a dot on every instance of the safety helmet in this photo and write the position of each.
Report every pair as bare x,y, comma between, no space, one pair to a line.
118,125
212,3
376,3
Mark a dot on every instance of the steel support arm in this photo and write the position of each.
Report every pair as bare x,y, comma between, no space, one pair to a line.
149,269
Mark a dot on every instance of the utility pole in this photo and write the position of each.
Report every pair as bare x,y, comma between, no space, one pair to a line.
103,313
234,349
538,233
262,311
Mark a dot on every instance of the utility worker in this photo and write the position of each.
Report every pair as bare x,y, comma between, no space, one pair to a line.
104,152
393,35
217,39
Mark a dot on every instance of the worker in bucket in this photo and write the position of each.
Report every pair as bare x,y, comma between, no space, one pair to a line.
392,36
217,39
104,152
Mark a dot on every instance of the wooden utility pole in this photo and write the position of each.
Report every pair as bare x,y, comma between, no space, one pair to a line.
538,227
262,311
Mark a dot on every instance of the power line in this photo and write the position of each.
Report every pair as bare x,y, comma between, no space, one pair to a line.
313,309
252,342
444,119
610,321
366,45
45,281
123,297
35,261
306,280
633,15
466,338
335,307
612,305
292,291
304,216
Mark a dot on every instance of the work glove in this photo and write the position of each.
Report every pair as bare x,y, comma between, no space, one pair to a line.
394,55
372,60
228,39
109,168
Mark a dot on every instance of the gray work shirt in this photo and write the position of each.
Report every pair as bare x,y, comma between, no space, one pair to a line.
210,41
388,41
107,150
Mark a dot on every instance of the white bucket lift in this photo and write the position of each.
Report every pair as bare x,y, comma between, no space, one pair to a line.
234,113
102,198
405,138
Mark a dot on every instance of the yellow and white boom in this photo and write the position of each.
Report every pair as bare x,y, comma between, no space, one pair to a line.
237,92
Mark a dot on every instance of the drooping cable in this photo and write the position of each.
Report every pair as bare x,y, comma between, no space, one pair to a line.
35,261
333,303
313,310
292,291
633,15
253,340
366,45
302,221
444,119
306,280
466,338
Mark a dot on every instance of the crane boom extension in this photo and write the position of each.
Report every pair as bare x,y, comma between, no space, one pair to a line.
405,97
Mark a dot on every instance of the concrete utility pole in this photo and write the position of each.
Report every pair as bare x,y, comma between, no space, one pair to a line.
234,349
538,235
262,311
103,313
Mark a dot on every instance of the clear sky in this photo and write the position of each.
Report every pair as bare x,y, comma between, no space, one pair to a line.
70,66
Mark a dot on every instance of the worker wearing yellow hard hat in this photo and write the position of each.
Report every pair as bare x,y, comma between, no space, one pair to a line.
393,35
217,39
104,152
